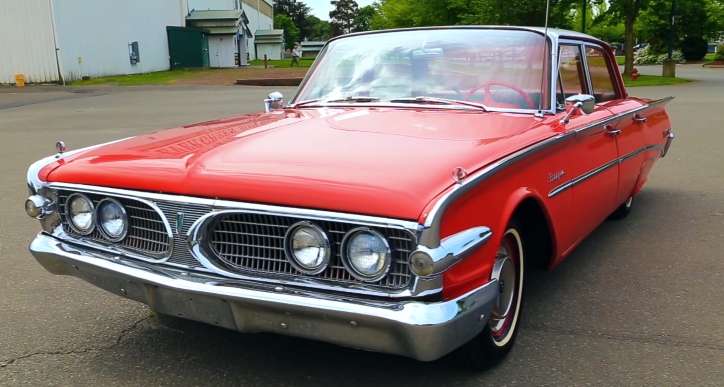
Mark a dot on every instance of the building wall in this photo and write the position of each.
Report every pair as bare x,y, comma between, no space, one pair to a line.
26,41
259,12
273,51
94,35
221,50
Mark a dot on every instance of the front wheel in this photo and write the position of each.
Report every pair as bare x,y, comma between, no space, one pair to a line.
623,210
495,341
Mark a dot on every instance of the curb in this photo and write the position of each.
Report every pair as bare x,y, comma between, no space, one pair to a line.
270,82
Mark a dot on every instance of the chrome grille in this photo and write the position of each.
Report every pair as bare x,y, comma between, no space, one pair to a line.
191,213
245,242
147,232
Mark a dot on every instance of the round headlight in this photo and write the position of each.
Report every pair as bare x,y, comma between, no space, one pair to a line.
112,219
80,213
366,254
308,248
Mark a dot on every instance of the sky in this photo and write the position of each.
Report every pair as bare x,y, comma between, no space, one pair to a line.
321,8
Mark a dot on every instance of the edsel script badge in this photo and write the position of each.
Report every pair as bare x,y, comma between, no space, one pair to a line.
179,221
555,176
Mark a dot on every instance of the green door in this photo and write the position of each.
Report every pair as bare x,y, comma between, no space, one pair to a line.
188,47
205,49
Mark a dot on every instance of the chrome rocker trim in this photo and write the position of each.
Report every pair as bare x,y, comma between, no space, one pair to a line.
423,331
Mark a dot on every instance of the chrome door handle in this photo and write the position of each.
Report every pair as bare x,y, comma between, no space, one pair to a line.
638,119
611,130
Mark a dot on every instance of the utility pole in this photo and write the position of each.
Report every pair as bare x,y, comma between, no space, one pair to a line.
672,30
583,19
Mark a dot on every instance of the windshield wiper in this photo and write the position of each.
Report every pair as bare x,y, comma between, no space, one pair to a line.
441,101
354,99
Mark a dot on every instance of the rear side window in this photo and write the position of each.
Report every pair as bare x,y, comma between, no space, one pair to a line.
601,77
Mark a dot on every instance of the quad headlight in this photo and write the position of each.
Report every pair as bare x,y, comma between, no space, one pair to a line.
80,213
308,248
366,254
112,219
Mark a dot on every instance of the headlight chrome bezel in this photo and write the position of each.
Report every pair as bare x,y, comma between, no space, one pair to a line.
102,227
69,216
289,251
348,263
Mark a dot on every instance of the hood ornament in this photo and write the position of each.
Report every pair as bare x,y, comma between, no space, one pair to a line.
60,147
459,174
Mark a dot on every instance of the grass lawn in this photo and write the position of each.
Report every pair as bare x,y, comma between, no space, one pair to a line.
154,78
284,63
653,80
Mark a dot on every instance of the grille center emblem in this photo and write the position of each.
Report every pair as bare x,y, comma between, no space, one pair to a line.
179,222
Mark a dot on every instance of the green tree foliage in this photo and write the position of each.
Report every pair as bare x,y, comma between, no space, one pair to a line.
415,13
628,11
298,12
343,16
291,32
318,29
364,17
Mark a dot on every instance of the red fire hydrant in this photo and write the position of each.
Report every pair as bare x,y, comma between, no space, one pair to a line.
635,74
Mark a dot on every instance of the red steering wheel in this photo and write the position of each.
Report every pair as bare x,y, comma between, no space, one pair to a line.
488,100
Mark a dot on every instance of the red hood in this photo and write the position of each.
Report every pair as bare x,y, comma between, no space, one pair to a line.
385,162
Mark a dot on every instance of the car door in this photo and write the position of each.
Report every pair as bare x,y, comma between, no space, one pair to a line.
592,173
629,129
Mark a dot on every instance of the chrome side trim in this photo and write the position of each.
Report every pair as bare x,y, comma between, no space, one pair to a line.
430,232
454,249
577,180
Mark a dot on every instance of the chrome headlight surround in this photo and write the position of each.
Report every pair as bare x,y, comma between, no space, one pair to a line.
69,216
347,260
102,227
319,235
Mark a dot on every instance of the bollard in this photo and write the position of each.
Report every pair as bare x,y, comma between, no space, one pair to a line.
266,61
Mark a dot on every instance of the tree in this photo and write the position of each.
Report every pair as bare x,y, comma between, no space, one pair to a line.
629,11
343,16
318,29
291,32
364,17
297,11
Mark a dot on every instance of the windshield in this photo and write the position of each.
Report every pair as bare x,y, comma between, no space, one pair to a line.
496,68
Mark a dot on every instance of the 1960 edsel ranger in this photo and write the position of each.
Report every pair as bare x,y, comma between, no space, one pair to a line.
393,204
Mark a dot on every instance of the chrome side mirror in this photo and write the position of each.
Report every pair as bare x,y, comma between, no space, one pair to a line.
275,101
584,102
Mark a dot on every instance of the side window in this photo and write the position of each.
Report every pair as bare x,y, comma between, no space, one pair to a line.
570,74
601,78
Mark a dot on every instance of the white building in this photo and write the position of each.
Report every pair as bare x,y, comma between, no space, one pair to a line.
259,13
228,33
65,40
53,40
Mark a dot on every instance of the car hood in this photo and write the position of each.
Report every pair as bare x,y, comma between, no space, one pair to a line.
384,162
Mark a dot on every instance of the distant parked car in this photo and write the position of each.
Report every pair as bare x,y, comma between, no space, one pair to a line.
640,46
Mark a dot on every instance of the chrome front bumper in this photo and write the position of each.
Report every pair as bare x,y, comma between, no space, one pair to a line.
423,331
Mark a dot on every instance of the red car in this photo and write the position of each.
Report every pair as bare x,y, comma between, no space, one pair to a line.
394,204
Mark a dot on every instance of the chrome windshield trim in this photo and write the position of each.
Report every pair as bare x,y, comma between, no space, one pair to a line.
398,105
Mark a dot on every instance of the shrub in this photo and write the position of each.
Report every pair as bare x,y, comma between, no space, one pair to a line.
719,57
644,56
694,48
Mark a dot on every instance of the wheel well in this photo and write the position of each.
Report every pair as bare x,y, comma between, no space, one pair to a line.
537,236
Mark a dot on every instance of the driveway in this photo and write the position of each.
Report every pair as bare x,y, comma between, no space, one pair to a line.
638,303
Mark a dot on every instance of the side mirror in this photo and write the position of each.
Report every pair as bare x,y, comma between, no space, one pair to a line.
275,101
583,102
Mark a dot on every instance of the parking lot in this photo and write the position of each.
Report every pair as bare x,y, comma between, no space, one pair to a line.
639,303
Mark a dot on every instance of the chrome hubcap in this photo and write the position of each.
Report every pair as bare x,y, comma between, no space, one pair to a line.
504,272
629,202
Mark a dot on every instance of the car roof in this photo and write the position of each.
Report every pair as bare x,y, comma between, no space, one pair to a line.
554,33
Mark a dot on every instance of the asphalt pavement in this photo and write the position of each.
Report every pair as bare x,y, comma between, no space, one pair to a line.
639,303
